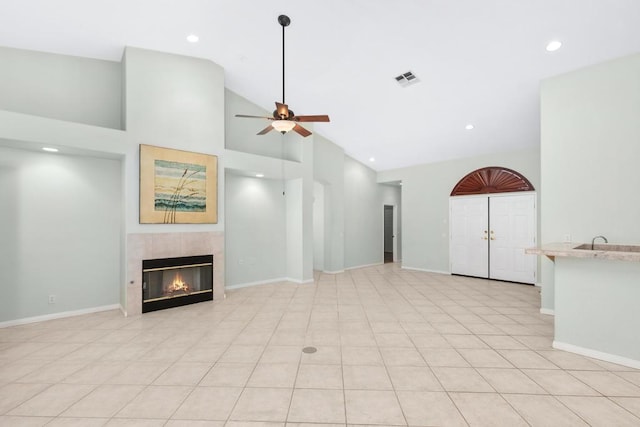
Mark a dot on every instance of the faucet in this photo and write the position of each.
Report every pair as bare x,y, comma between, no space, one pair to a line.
598,237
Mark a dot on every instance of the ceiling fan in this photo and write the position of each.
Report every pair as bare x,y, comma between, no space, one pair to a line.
283,119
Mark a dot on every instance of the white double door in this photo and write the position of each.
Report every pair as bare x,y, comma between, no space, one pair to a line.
489,235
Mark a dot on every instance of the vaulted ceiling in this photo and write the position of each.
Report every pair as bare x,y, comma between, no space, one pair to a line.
479,62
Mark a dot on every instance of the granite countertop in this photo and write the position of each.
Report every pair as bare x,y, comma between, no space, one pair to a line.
601,251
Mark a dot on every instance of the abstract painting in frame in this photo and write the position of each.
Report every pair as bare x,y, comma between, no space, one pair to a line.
177,187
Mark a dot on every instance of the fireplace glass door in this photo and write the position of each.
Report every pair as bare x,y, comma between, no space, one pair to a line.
170,282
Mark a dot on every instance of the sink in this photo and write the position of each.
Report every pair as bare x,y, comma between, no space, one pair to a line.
606,247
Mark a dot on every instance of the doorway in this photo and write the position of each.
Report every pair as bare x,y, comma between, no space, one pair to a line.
493,219
489,235
390,232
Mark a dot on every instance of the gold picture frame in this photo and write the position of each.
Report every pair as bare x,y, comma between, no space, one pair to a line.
177,187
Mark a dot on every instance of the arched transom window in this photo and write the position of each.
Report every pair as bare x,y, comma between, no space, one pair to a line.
492,179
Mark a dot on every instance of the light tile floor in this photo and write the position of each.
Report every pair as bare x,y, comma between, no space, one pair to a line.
395,347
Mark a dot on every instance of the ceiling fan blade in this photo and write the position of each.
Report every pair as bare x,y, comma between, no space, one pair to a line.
320,118
265,130
302,131
254,117
282,110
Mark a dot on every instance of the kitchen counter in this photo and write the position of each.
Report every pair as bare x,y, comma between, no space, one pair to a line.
601,251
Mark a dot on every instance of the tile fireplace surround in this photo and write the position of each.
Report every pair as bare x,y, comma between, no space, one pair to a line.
166,245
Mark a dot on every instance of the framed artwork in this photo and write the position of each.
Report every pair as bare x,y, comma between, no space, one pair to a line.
177,187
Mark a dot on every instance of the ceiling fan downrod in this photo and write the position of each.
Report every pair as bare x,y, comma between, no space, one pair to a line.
284,21
283,119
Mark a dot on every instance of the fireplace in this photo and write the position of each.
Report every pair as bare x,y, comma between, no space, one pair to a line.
172,282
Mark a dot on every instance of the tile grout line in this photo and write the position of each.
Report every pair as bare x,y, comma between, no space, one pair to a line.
293,387
244,387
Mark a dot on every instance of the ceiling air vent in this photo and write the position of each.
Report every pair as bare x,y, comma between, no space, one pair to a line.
407,79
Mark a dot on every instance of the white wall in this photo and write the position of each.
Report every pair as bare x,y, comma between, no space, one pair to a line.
597,308
73,104
425,202
306,155
74,89
176,102
294,230
328,168
589,152
318,226
59,232
362,216
255,234
169,100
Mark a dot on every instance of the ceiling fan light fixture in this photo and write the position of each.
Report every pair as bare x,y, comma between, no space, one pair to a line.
283,126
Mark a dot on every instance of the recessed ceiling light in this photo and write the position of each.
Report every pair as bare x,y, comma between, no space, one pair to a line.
259,175
553,45
372,159
192,38
469,126
50,150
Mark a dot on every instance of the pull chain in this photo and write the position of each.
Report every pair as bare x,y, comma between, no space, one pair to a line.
284,181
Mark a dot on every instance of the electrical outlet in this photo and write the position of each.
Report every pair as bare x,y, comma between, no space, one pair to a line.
567,238
52,299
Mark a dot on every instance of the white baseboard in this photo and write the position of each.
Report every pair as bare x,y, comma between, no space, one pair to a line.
426,270
60,315
538,284
364,265
266,282
259,282
333,272
124,312
299,282
595,354
548,311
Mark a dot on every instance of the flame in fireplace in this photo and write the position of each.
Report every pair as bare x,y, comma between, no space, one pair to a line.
177,285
